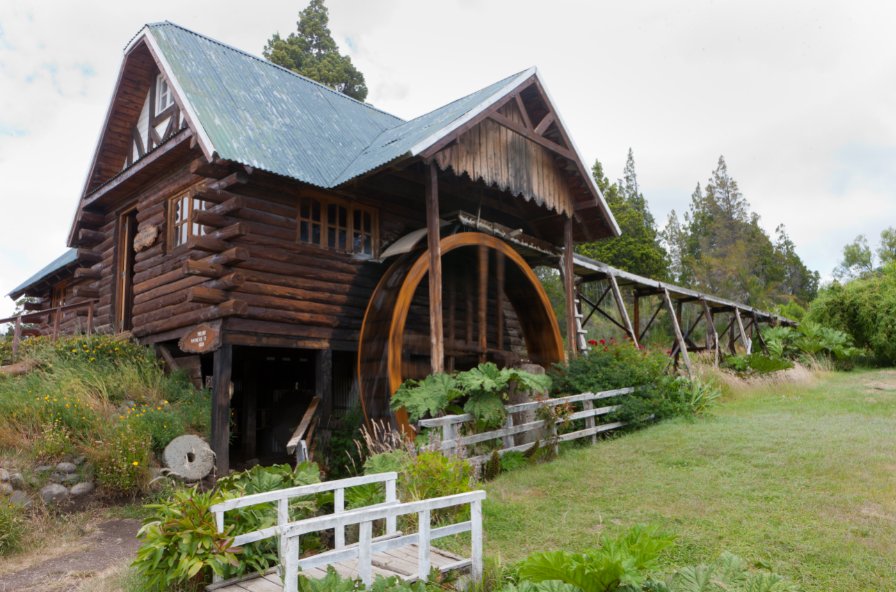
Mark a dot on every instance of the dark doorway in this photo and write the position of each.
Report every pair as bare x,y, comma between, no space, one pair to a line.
272,389
127,230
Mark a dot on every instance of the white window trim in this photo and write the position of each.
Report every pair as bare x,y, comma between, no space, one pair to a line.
160,82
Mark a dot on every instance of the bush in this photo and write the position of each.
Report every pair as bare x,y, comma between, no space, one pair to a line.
810,341
181,546
121,461
864,309
480,391
12,527
609,365
756,363
620,563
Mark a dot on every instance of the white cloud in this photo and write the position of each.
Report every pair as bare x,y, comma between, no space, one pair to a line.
798,96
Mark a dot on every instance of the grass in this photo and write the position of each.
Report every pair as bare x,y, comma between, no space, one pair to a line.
800,479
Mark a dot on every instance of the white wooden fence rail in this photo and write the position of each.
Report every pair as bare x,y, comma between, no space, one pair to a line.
282,497
451,439
367,545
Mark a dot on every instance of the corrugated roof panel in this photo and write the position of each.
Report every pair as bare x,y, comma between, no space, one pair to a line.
260,114
61,262
401,139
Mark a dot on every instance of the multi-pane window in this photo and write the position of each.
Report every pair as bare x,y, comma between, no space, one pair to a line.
163,94
182,217
337,226
362,231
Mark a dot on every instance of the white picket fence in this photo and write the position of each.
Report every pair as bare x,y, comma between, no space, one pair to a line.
452,441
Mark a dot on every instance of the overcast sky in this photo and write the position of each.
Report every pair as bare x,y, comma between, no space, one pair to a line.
800,97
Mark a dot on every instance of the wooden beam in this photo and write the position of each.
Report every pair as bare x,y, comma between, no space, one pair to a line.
759,333
743,334
206,295
682,347
569,287
712,338
203,268
545,122
437,345
530,135
499,297
87,273
519,104
482,307
222,363
636,314
623,313
90,238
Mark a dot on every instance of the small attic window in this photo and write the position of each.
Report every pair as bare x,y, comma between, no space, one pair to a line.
163,94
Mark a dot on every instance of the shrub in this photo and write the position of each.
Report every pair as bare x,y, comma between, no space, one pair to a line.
12,527
609,365
756,363
480,391
621,562
864,309
811,341
729,573
181,545
432,474
186,516
121,461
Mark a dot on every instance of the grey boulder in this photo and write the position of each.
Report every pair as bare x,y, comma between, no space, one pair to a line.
82,489
53,493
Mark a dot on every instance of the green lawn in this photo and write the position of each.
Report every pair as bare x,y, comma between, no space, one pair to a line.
799,479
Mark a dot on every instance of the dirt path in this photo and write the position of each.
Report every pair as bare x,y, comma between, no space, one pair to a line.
114,542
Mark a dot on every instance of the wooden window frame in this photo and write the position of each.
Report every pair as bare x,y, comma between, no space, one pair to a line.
188,197
157,108
326,227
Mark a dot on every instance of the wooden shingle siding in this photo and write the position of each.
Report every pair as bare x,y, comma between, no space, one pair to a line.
498,156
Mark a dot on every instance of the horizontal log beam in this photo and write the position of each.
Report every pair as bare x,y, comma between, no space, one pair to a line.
90,238
206,295
203,268
88,273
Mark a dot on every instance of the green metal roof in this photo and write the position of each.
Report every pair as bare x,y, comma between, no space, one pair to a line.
259,114
66,259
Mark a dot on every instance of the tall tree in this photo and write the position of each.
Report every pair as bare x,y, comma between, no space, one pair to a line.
638,249
887,249
312,52
857,260
721,248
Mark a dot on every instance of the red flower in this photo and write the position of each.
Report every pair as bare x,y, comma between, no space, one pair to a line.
602,342
592,342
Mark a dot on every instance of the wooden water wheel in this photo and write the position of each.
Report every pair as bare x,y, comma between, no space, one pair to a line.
494,309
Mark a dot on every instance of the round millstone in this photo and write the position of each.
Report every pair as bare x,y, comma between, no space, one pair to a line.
189,457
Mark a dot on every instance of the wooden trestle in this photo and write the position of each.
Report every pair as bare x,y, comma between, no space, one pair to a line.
740,321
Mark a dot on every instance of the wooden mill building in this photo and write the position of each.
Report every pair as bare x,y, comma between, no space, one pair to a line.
283,241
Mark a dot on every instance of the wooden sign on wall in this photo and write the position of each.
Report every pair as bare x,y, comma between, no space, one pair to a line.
201,339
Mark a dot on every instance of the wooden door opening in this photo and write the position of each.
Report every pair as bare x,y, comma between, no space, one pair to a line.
127,230
272,388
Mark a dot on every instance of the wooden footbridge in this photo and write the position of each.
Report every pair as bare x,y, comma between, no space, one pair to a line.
409,557
716,318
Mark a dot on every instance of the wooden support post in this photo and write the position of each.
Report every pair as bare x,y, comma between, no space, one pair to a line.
682,346
476,541
452,324
712,338
731,336
323,383
499,297
365,558
223,360
623,314
16,337
482,309
437,345
743,334
636,313
249,392
569,287
759,334
424,530
339,508
90,319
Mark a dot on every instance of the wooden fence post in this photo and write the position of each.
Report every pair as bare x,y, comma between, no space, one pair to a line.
423,533
476,542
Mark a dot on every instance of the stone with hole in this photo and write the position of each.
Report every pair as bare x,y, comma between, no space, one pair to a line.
189,457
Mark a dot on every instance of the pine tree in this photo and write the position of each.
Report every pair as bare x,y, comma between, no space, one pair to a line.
638,249
312,52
